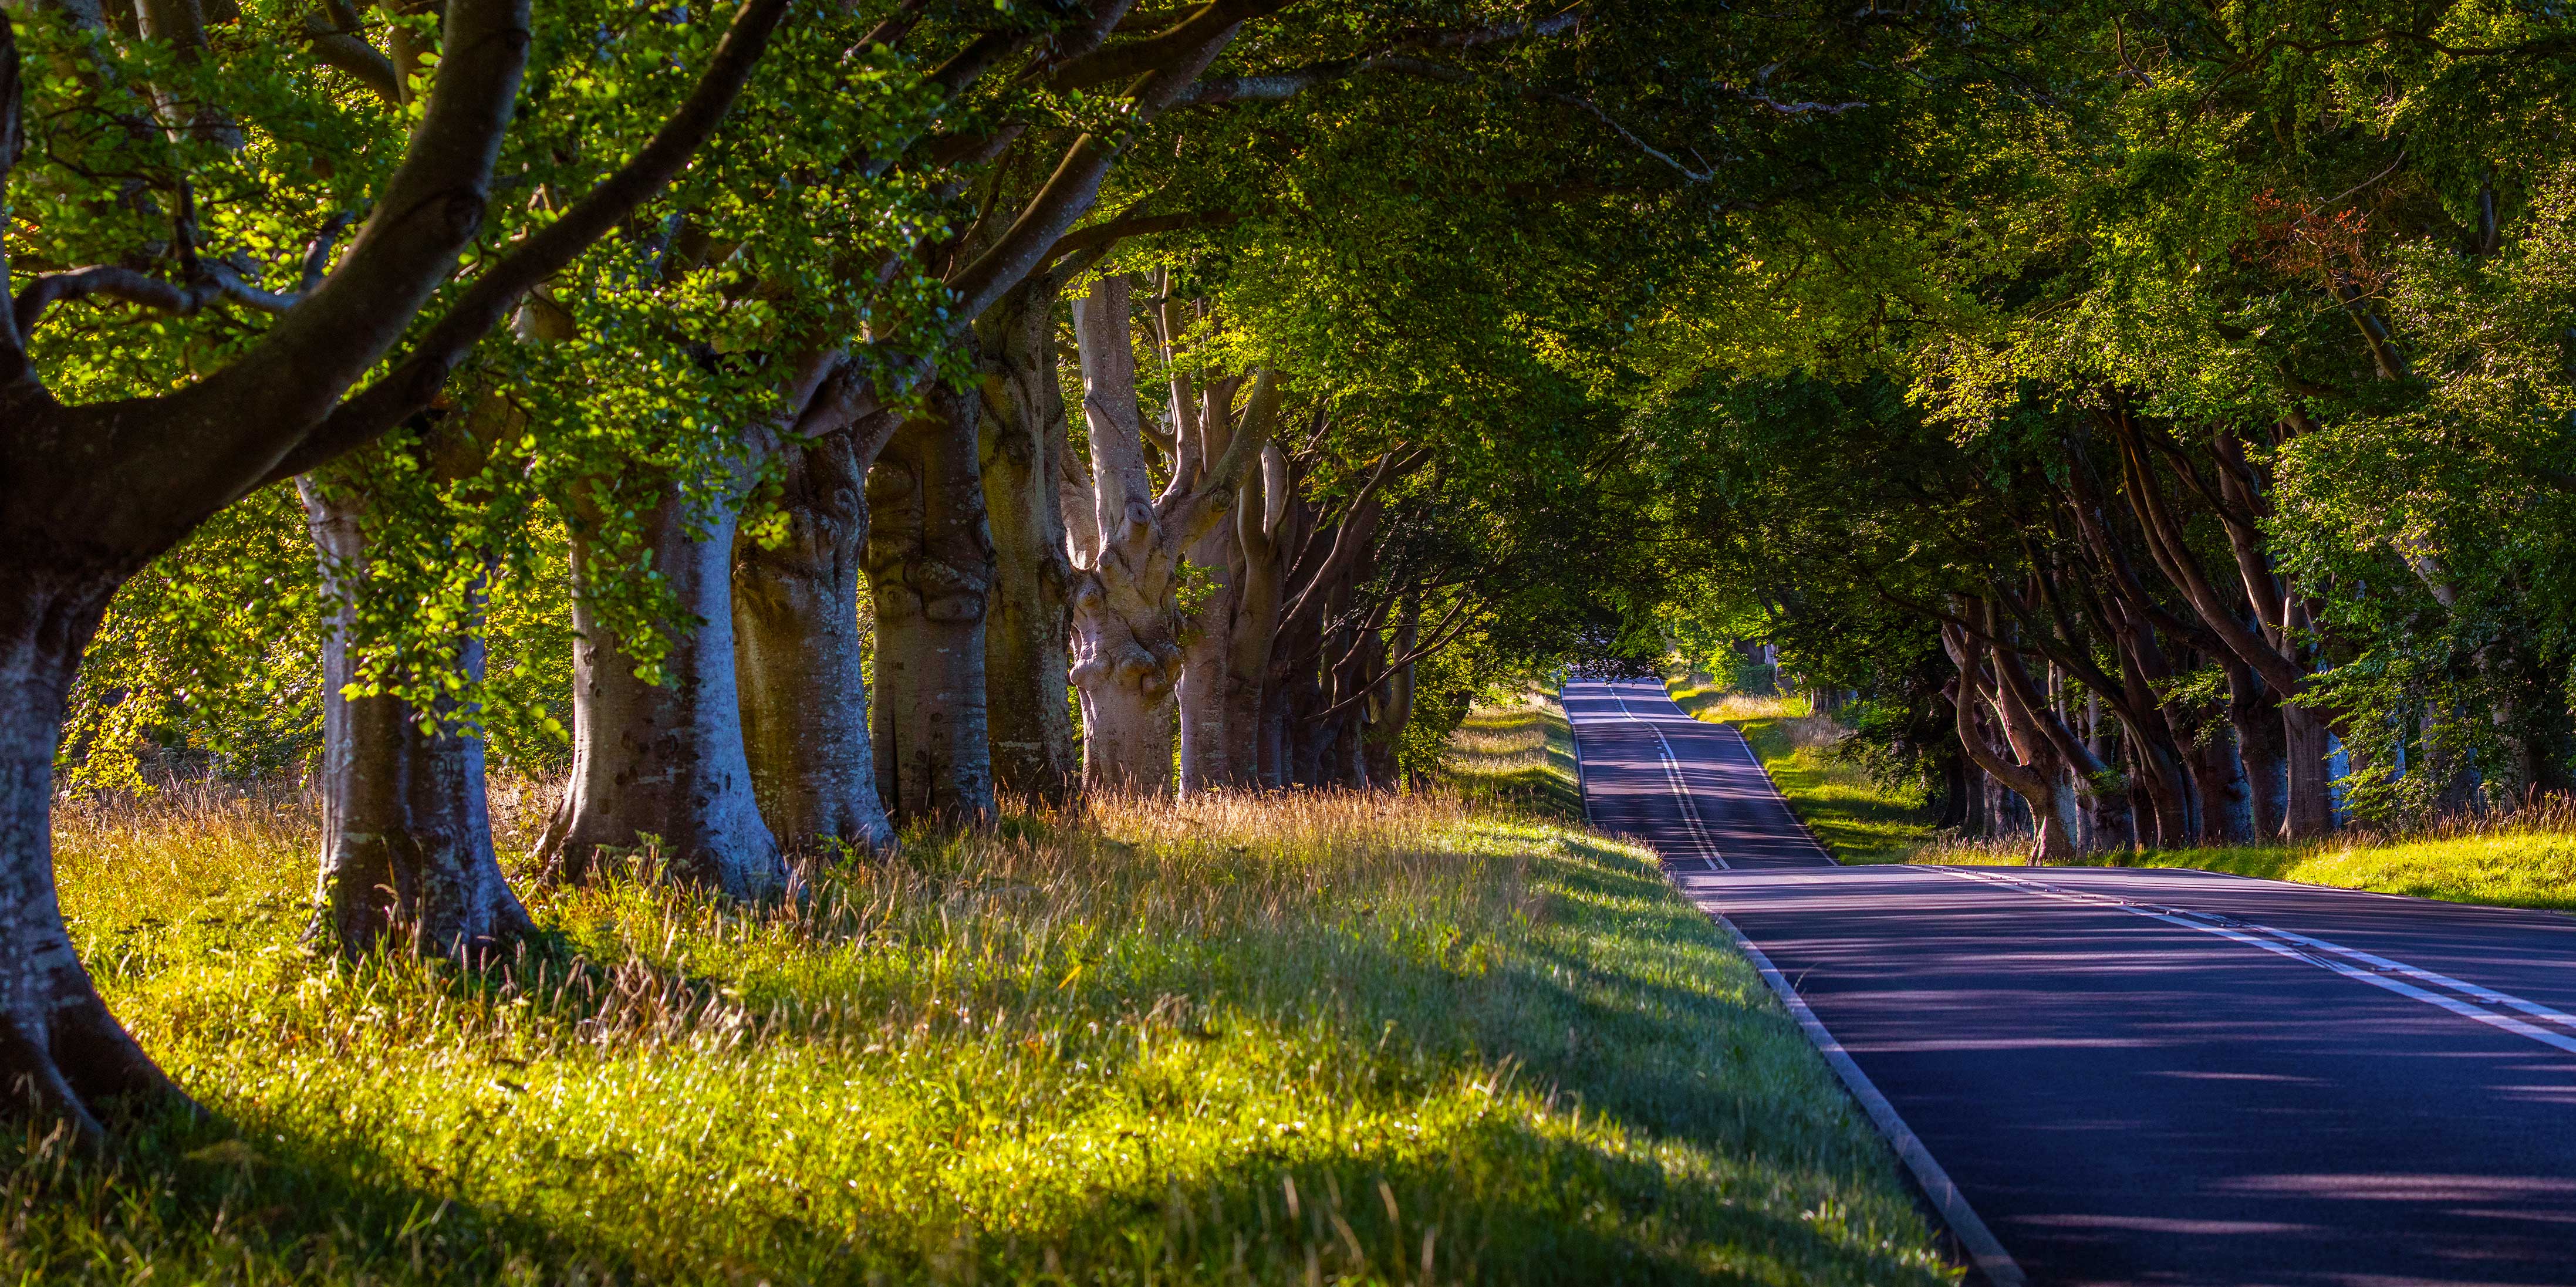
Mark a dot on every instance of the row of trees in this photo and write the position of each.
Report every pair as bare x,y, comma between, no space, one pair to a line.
689,395
2199,461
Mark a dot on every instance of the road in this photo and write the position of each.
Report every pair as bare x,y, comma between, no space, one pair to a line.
2150,1076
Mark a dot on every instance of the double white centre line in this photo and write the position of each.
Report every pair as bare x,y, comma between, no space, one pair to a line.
1673,775
2459,996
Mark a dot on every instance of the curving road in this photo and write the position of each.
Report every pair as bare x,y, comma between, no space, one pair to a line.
2148,1076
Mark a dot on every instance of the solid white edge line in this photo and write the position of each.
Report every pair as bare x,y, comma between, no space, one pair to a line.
1777,793
1983,1249
2461,1008
1574,734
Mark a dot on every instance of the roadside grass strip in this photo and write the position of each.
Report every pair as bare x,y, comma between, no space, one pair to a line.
1306,1038
2465,999
2520,864
1519,755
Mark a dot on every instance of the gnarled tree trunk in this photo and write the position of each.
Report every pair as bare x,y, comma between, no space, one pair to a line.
2033,771
930,567
800,661
1126,623
1027,661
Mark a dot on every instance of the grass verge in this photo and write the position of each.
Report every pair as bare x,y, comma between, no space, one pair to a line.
1255,1039
2526,865
1518,754
1857,819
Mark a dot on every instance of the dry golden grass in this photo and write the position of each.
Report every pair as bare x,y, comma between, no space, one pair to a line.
1518,752
1266,1038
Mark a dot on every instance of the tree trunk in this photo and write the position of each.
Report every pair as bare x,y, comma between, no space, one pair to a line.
2309,787
664,764
1395,700
1126,619
1205,693
1207,689
2226,812
930,565
1263,533
800,657
406,833
62,1055
2255,713
2032,770
1026,660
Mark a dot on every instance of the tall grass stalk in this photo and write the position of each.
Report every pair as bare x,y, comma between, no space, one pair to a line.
1277,1038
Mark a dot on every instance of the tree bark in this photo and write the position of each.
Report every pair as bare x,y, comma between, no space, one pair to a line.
2034,777
2255,713
800,659
1394,702
1262,535
1027,663
1126,650
1126,623
930,567
62,1055
406,833
664,764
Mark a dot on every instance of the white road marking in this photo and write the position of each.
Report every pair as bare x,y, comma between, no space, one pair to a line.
1673,775
1804,831
2281,942
1982,1246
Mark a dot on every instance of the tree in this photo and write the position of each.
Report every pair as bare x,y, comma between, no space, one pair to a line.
95,490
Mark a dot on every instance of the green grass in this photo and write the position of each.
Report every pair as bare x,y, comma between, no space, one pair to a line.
1274,1039
2505,868
1519,755
1857,819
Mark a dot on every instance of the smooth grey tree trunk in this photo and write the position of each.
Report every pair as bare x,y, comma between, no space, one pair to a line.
62,1055
800,659
1206,693
2255,713
2226,805
1027,660
1262,536
930,568
664,764
406,834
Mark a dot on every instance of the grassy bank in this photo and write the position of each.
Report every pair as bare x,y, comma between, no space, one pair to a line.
1295,1040
1857,819
2531,865
1519,755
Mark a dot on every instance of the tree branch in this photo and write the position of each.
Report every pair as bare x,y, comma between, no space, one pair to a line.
417,380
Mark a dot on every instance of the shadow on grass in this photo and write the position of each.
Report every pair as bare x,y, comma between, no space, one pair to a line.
1604,1096
237,1197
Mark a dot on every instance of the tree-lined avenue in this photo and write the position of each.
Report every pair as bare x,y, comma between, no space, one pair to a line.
2158,1076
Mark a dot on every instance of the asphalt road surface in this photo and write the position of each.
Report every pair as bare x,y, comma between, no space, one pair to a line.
2138,1076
